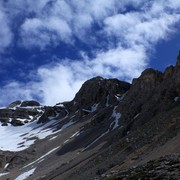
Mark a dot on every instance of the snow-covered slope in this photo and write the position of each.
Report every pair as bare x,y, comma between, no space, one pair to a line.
17,138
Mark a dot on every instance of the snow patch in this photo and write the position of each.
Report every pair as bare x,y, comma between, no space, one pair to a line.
107,101
74,135
93,108
3,174
66,141
6,165
59,105
31,117
136,116
31,107
120,97
54,117
53,138
176,99
116,117
25,174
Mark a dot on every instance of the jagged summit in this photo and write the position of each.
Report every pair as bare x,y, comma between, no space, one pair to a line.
99,91
109,127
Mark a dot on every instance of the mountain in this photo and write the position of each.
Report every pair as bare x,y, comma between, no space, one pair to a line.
110,130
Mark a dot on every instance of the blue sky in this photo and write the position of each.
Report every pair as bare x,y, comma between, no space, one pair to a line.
50,47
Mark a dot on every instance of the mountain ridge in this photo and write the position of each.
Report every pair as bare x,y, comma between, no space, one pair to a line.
109,127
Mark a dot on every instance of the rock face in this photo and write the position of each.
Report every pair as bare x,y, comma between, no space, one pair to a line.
99,90
20,112
110,130
98,93
151,94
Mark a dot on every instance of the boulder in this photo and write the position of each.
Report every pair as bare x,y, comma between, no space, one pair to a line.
16,122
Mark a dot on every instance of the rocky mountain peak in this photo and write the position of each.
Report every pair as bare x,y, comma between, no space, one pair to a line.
150,73
99,91
148,77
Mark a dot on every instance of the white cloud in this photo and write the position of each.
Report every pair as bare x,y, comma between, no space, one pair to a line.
64,20
141,28
120,62
5,32
43,32
124,39
58,82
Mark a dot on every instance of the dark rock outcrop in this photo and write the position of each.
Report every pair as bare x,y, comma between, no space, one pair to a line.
23,104
98,92
48,112
16,122
29,103
19,110
153,92
14,104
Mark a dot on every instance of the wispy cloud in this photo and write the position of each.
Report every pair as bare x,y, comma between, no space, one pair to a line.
5,32
42,32
125,32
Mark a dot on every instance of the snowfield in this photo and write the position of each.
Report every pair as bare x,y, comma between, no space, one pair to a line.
21,137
